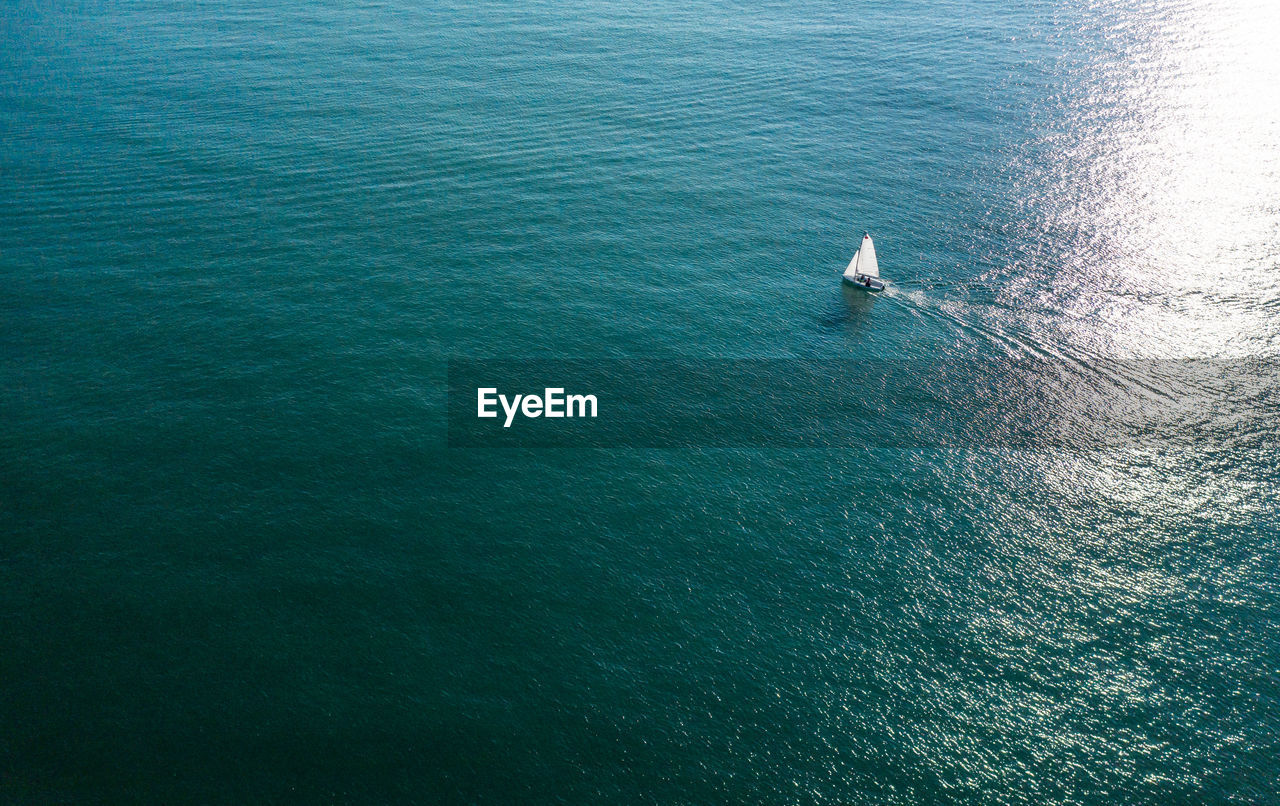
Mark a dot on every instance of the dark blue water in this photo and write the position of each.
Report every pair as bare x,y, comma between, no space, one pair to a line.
242,561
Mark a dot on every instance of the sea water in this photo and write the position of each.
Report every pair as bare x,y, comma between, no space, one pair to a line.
247,557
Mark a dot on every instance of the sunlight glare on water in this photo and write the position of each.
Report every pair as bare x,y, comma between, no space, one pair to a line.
1162,177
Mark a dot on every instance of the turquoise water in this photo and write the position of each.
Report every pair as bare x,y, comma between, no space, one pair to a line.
242,244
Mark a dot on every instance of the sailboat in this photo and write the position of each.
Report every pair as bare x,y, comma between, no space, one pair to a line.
863,270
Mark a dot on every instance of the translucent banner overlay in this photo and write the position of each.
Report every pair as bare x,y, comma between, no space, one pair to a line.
1031,404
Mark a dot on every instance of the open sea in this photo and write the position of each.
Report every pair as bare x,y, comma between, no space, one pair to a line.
1006,533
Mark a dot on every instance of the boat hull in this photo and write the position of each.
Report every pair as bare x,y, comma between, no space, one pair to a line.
865,283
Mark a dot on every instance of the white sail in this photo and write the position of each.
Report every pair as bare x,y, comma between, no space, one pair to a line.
852,271
863,269
866,258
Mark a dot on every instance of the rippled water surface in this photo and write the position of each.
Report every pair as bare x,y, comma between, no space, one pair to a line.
239,244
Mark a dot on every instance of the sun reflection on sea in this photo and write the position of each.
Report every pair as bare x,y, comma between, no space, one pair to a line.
1158,192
